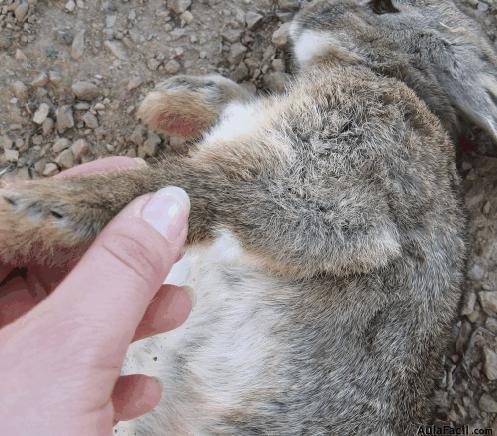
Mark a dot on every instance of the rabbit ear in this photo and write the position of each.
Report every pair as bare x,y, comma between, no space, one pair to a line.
383,7
477,99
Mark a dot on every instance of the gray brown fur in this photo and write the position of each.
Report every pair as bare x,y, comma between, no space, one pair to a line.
347,196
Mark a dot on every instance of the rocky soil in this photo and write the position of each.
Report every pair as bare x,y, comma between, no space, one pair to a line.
72,74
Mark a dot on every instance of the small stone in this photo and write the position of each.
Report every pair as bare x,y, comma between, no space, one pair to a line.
99,107
488,404
488,301
276,81
78,45
65,118
85,90
20,56
70,6
134,83
240,73
117,49
476,272
55,78
11,155
280,36
50,169
237,52
60,144
138,135
288,5
469,303
179,6
21,11
172,67
232,35
490,366
41,113
252,19
90,120
20,90
40,80
79,148
187,17
5,42
6,142
65,159
153,64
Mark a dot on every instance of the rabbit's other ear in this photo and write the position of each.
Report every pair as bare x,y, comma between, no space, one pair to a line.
467,69
383,7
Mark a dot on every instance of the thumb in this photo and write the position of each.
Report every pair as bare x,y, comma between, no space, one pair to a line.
110,288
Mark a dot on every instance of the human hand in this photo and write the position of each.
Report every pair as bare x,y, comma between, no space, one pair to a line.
63,340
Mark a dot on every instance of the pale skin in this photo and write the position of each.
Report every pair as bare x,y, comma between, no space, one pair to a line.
64,335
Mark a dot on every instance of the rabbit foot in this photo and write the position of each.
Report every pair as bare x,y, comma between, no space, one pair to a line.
188,105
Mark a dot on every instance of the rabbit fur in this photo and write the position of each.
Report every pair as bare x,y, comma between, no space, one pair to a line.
326,239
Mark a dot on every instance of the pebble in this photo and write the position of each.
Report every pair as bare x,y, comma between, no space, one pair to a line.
138,135
134,83
6,142
50,169
490,365
153,64
65,159
60,144
20,56
172,67
252,19
476,272
179,6
5,42
488,404
469,303
41,113
232,35
21,11
47,126
187,17
55,78
90,120
288,5
488,301
20,90
70,6
65,118
280,36
85,90
40,80
237,52
11,155
117,49
80,148
78,45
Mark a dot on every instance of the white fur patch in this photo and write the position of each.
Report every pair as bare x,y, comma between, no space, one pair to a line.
310,44
237,119
239,336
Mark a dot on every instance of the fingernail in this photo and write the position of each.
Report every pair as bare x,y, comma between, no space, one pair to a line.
167,212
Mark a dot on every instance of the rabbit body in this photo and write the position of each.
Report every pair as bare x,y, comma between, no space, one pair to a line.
327,240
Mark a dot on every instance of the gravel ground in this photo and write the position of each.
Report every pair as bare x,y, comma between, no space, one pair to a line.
72,74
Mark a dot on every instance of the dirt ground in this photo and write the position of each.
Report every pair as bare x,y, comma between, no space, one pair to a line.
72,74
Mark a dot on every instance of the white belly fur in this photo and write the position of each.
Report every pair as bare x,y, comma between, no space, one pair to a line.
238,338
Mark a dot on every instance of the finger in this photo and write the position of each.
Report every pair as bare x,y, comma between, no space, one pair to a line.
117,278
169,309
135,395
106,164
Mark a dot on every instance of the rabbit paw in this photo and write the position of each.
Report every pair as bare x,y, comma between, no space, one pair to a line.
35,220
187,106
